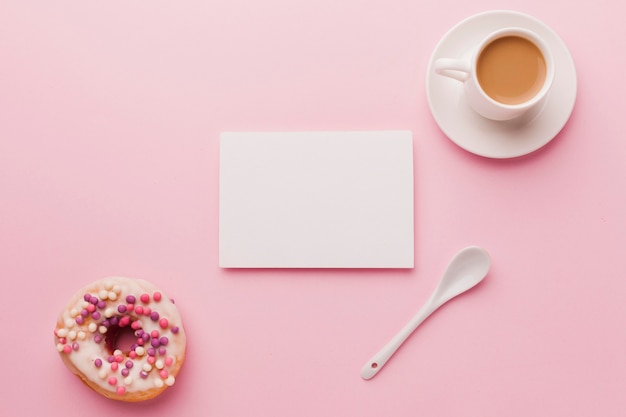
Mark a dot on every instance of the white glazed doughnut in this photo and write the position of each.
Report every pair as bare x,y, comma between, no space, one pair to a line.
89,328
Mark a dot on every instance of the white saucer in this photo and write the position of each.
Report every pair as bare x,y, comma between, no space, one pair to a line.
489,138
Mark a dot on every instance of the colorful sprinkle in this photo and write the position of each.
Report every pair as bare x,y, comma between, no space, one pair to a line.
120,390
98,362
130,299
163,323
156,296
145,298
112,381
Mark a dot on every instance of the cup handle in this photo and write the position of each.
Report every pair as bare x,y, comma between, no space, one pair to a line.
453,68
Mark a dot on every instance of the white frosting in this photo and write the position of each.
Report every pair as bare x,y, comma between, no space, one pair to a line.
114,291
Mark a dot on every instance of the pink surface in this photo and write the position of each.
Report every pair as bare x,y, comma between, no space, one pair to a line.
109,121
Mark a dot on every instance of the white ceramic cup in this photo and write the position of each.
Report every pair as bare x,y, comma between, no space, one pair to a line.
465,71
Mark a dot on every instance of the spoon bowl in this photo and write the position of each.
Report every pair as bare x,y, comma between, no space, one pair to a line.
466,269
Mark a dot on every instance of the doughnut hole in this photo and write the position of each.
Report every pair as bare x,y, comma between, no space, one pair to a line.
122,338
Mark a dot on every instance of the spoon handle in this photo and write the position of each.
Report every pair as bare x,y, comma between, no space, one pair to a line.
374,365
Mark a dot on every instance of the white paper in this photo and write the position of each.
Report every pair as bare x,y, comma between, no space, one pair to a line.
316,200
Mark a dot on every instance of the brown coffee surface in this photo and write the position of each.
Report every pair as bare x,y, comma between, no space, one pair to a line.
511,70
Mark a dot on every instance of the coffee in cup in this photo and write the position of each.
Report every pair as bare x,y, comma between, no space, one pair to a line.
511,69
509,73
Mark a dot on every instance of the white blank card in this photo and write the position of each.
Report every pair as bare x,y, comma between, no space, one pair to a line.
316,200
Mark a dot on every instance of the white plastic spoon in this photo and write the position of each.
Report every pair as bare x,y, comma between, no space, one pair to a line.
465,270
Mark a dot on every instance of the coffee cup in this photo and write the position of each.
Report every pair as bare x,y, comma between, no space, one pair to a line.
509,73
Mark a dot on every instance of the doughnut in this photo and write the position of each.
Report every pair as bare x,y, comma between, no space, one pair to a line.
123,338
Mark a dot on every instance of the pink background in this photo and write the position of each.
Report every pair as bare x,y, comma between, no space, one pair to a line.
110,113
